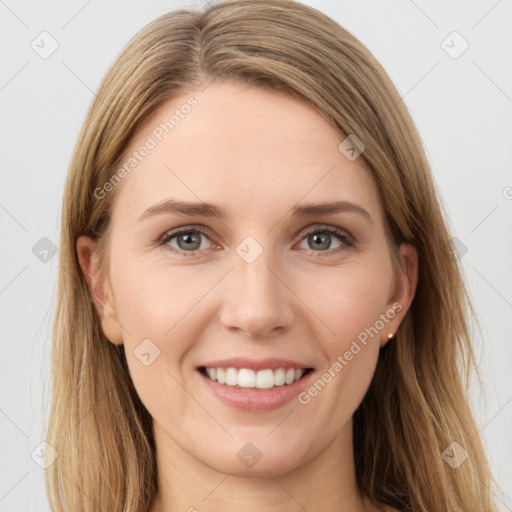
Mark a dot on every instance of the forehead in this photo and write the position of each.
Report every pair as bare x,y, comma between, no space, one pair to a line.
250,150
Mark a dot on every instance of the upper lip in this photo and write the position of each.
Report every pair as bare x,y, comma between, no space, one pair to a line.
255,364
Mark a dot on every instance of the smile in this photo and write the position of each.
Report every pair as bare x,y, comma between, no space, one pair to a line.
248,378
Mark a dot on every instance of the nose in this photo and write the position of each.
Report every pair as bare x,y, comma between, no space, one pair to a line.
257,299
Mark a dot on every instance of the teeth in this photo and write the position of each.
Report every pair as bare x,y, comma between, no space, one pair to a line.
247,378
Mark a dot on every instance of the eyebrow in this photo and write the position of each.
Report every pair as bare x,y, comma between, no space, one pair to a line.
210,210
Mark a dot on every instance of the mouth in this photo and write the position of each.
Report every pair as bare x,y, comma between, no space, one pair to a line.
247,378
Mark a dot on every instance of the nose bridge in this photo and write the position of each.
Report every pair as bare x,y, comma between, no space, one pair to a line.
255,299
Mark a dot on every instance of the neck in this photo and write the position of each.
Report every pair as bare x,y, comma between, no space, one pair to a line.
325,482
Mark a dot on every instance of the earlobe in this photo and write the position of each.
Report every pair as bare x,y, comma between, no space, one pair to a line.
404,291
99,289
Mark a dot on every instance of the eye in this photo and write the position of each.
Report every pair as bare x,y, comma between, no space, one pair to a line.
188,240
320,239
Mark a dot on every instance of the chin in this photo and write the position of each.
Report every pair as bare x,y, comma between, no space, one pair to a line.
249,460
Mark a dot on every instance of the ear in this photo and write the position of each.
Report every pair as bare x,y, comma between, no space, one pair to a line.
403,291
100,289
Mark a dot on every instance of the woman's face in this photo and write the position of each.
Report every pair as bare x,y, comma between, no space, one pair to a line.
269,276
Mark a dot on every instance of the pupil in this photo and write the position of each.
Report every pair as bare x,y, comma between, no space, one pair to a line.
188,239
319,243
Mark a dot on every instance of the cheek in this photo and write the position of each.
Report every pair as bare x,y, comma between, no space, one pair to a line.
154,299
348,300
158,301
163,314
353,300
350,303
159,308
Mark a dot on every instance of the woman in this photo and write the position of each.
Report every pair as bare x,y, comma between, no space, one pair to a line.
259,307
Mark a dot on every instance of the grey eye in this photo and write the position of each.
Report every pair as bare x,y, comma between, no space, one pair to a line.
185,240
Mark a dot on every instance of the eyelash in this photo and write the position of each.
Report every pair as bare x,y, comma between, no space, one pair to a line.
347,240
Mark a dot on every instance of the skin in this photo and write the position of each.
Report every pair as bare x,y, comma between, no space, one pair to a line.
256,153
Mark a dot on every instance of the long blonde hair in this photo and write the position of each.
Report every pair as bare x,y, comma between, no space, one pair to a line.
416,405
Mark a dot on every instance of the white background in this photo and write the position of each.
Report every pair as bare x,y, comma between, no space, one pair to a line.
462,106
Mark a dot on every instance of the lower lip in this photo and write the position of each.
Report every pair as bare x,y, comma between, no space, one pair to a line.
257,400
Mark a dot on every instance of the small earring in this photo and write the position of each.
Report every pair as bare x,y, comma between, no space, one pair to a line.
390,335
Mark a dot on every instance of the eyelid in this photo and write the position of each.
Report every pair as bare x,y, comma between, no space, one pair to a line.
348,240
172,233
313,228
176,231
